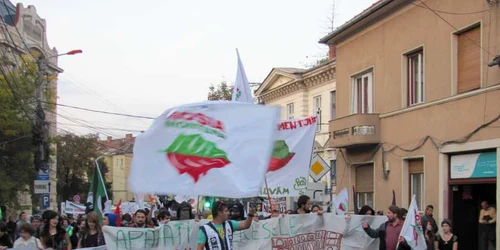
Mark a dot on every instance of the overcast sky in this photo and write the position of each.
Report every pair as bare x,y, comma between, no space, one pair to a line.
143,57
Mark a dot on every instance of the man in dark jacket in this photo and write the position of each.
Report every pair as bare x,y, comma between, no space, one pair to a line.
428,217
389,231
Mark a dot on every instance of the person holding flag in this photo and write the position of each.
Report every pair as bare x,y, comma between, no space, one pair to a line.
388,232
412,231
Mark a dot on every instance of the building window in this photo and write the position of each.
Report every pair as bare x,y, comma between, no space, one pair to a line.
333,173
415,78
333,105
317,110
364,185
416,171
364,199
362,94
289,110
469,60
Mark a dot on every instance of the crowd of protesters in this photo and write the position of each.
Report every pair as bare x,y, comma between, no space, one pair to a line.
52,230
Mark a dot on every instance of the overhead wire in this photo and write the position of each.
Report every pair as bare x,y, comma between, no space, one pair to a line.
104,99
105,128
449,12
100,111
455,28
13,140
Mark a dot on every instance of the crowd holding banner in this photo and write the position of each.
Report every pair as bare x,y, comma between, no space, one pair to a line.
311,231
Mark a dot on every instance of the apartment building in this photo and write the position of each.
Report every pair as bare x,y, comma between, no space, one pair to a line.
23,32
418,97
301,93
118,157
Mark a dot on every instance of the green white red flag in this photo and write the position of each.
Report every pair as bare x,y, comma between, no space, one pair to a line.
412,229
213,148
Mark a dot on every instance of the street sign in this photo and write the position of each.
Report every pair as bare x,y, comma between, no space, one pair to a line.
318,168
42,187
45,198
76,198
43,175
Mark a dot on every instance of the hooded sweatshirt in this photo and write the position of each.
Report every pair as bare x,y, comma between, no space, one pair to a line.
112,219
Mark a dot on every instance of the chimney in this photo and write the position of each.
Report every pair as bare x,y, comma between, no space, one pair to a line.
332,51
129,137
109,139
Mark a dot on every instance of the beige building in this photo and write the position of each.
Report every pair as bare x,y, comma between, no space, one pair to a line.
23,32
418,107
301,93
118,158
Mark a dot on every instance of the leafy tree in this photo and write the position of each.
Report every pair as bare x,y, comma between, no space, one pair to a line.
17,91
75,164
220,92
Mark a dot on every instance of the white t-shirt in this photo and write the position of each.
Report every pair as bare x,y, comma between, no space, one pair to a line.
31,243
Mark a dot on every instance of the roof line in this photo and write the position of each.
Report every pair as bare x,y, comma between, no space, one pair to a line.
370,10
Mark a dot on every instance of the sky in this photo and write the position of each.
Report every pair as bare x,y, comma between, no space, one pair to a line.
144,57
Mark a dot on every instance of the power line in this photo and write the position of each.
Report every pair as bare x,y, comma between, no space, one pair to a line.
104,99
99,111
13,140
452,13
456,29
105,128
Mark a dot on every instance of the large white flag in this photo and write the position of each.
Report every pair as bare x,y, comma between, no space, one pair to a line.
139,200
412,229
214,148
341,202
241,92
289,166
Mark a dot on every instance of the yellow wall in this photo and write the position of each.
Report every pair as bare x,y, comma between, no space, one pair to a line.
118,173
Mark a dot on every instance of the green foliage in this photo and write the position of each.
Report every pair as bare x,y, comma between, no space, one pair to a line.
75,164
220,92
17,90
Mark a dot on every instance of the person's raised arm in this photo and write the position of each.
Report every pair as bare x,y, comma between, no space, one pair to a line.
248,222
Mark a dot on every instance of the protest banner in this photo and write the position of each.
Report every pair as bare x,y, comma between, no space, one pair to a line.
311,231
210,148
69,207
288,169
87,248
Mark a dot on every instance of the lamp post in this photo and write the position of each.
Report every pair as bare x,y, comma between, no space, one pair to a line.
40,127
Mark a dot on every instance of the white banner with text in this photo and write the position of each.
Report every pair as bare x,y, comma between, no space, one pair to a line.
327,232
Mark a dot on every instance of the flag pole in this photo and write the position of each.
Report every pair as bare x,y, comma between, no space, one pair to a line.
100,176
198,206
268,195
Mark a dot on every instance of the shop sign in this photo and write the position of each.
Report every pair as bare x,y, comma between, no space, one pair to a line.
469,166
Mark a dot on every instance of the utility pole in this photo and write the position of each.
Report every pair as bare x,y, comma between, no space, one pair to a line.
40,130
41,126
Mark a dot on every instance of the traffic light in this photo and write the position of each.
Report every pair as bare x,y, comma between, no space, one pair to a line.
208,204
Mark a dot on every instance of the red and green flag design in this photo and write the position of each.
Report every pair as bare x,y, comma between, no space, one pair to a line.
194,155
280,157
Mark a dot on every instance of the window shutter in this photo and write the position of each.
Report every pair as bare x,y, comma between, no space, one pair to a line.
416,166
364,179
469,60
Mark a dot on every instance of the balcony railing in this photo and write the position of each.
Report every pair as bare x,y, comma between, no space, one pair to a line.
355,130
